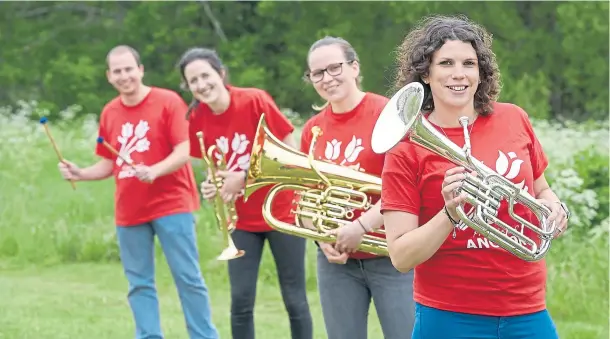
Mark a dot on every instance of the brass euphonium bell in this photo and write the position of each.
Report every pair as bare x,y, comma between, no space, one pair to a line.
402,118
326,193
225,213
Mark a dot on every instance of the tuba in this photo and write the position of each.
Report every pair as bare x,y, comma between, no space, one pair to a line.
325,193
402,117
226,215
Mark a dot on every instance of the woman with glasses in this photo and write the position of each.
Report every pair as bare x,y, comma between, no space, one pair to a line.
348,279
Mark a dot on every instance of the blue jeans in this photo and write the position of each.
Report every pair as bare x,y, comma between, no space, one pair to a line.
432,323
176,234
346,292
289,254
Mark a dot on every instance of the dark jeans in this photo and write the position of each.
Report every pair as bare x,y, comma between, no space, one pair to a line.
289,254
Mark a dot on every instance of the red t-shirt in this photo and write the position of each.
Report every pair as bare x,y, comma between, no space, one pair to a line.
233,132
470,274
346,140
146,134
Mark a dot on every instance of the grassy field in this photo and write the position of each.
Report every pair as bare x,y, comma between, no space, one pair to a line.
87,300
60,278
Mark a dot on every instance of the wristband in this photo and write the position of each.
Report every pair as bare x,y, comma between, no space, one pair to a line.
453,221
362,225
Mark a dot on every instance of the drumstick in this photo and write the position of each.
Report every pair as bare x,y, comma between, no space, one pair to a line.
43,122
100,140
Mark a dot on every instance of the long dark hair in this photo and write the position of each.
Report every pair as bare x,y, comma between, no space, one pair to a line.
199,53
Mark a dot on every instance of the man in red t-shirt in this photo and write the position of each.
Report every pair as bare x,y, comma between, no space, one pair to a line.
349,280
465,285
155,193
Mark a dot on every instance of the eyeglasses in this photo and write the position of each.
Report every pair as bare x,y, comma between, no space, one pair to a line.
332,70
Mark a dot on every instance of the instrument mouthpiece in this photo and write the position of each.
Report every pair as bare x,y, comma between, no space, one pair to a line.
43,120
100,140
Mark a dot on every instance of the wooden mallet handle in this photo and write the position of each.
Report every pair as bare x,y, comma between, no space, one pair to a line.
100,140
43,122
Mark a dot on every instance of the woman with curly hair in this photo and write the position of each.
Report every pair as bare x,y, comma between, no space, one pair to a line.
465,286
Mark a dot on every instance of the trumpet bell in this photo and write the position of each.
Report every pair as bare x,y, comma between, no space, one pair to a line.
397,117
230,252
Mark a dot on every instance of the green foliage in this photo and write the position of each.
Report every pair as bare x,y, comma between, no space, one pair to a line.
553,55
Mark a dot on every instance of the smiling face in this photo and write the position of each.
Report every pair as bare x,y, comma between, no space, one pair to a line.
124,73
204,81
454,76
332,75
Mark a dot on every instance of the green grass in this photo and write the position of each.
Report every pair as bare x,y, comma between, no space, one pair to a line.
87,300
59,275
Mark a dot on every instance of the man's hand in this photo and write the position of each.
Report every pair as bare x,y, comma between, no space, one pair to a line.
145,173
69,170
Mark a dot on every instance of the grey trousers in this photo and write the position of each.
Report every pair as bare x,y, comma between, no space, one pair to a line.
346,292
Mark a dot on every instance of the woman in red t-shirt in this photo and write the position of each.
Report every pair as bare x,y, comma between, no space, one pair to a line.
347,279
228,117
465,285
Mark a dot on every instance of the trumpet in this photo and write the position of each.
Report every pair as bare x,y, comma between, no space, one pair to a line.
225,213
326,193
402,117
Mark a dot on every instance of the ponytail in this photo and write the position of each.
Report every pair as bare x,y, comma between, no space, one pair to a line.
191,107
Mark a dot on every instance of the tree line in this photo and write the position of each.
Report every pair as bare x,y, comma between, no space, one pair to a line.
553,55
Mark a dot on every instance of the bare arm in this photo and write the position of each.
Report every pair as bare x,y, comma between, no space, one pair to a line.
542,190
372,219
410,245
98,171
179,156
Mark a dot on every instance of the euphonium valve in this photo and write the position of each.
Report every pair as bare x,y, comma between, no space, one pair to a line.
485,191
326,194
225,213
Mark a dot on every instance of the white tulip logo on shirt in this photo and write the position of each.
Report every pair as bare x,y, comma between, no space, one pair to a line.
350,154
239,144
138,142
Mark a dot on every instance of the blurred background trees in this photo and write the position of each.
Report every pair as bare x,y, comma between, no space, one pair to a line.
553,55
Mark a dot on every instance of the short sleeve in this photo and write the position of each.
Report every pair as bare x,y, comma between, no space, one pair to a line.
100,149
277,122
306,137
399,189
178,126
538,158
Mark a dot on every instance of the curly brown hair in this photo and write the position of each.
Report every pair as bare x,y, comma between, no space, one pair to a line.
414,56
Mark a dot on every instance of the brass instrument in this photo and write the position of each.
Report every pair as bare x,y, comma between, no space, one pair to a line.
402,117
225,213
326,193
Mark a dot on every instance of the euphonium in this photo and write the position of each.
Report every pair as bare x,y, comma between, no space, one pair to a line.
225,213
402,117
325,193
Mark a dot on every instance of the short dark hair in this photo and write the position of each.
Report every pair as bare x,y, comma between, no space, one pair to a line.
124,49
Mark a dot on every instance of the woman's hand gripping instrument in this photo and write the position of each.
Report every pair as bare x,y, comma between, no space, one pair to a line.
225,213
